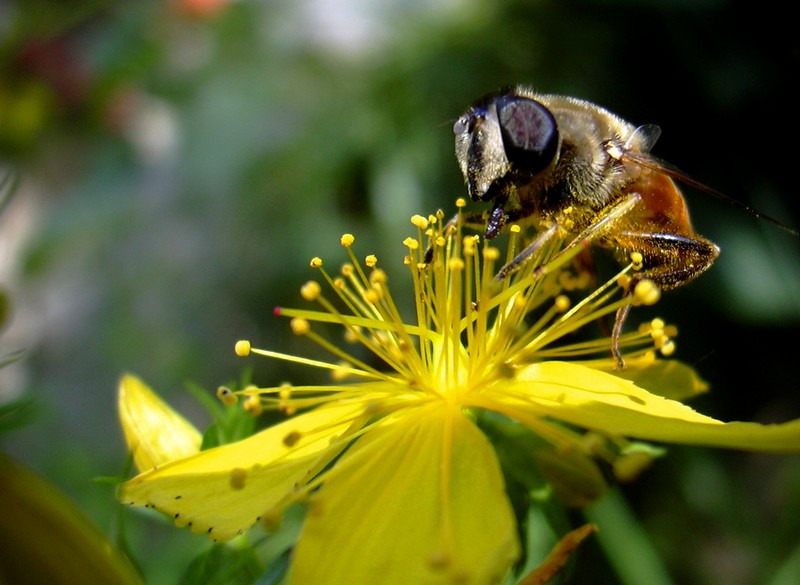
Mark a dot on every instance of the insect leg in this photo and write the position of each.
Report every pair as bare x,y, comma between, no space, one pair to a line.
616,332
471,219
669,260
584,238
527,253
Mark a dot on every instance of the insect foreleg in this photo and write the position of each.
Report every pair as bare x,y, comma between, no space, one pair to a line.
587,236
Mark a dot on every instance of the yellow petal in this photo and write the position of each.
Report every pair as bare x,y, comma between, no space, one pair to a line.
154,432
596,400
666,377
225,490
418,499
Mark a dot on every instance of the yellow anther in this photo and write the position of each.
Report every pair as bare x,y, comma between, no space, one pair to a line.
347,240
310,291
341,372
285,393
469,245
659,339
491,253
657,323
227,397
351,334
584,279
372,295
515,229
456,264
562,303
316,262
419,221
566,280
371,260
637,259
668,348
253,405
347,269
550,288
440,241
242,348
339,283
411,243
299,326
378,276
647,292
461,202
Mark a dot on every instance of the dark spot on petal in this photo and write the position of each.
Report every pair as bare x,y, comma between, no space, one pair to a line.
178,497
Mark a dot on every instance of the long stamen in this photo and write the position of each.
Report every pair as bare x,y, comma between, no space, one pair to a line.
471,329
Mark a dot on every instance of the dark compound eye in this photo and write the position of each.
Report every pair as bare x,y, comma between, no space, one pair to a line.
530,133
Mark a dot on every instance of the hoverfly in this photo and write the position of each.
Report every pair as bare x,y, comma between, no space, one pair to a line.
532,155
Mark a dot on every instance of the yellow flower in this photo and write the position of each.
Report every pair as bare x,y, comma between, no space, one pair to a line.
154,432
401,482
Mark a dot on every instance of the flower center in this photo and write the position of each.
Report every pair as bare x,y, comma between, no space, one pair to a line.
476,322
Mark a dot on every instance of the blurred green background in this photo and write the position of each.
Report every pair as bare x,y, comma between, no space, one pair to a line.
179,162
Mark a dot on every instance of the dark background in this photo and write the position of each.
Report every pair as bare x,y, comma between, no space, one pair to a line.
180,162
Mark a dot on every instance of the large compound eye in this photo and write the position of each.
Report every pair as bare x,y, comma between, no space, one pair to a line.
530,133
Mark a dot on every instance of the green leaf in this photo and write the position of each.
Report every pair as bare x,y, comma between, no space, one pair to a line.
231,423
223,565
625,542
276,570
